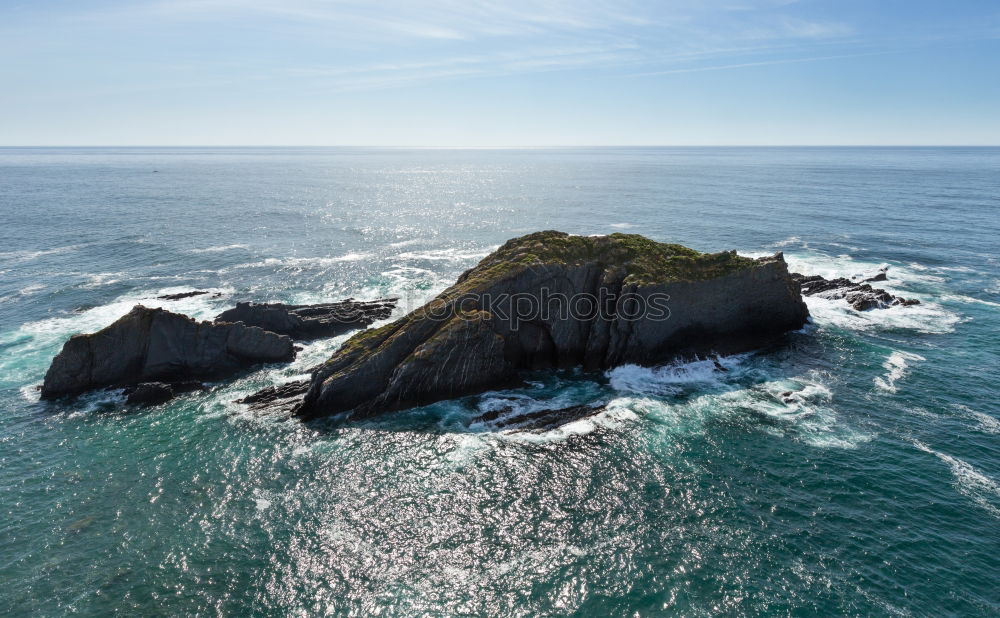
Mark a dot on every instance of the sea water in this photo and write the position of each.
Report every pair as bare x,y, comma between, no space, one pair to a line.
872,489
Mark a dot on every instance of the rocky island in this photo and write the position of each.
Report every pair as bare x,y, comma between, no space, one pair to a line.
155,345
548,300
552,300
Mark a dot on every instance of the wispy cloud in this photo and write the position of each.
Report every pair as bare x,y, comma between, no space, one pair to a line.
430,19
360,45
742,65
387,75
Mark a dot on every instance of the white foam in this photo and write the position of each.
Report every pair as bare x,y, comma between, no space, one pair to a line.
621,226
969,300
896,365
614,415
926,317
27,256
449,255
302,262
848,267
987,423
668,379
984,422
970,482
793,408
219,249
406,243
29,290
261,500
791,240
97,280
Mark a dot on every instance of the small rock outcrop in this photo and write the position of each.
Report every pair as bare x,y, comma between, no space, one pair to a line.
155,345
281,398
310,321
860,296
507,418
551,300
182,295
153,393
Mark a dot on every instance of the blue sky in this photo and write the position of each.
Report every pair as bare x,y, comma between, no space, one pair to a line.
499,74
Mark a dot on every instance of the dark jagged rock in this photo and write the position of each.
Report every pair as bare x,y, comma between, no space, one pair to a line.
537,421
310,321
860,296
153,393
149,394
155,345
182,295
646,303
277,398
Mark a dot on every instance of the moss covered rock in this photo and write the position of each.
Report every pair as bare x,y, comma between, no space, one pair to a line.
552,300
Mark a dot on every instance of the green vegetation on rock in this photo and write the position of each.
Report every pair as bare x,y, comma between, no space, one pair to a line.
644,260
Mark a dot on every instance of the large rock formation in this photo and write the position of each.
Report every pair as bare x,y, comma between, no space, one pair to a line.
310,321
155,345
551,300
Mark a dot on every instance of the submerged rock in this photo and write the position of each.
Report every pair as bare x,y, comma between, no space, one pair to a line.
150,345
538,421
182,295
277,398
860,296
153,393
550,300
310,321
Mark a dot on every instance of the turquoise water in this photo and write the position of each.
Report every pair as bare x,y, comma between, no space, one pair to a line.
877,492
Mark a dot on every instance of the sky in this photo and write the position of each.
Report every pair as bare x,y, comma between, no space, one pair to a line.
523,73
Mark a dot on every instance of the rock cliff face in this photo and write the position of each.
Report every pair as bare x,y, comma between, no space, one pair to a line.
310,321
551,300
155,345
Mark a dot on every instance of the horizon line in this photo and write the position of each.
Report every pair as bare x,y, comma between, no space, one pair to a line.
519,147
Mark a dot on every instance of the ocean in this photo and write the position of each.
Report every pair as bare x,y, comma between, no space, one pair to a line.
875,492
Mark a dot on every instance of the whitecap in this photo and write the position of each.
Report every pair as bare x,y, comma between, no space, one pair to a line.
219,249
449,255
970,481
896,365
791,240
968,300
96,280
302,262
27,256
406,243
984,422
29,290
